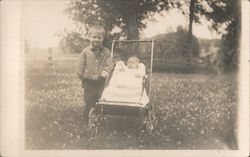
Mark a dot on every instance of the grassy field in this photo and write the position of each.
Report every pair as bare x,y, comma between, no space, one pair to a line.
194,111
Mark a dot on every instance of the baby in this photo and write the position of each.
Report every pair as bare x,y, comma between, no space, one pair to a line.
133,66
126,83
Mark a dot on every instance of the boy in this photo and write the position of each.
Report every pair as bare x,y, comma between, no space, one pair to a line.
93,67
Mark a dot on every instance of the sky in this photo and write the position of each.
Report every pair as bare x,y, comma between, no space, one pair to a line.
41,20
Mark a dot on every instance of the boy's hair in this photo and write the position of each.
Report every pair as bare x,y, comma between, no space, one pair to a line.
97,28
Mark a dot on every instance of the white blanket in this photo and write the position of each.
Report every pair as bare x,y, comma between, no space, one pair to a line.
126,86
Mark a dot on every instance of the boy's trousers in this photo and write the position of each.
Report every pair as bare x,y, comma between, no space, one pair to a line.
92,92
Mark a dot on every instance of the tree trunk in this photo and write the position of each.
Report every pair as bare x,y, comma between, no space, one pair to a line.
133,31
190,31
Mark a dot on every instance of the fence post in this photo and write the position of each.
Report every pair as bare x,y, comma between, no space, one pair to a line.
50,55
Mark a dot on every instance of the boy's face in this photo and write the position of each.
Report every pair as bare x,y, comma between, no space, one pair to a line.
96,38
132,63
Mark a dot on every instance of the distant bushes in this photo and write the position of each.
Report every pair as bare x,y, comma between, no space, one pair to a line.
170,51
174,46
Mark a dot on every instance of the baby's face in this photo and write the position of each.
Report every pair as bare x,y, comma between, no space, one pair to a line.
132,63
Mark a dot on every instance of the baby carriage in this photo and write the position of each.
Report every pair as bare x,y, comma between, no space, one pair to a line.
126,103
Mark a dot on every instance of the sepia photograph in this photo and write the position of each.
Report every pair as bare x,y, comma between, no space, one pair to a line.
133,75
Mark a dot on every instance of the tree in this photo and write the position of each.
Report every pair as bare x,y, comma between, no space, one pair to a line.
225,17
193,16
128,15
190,28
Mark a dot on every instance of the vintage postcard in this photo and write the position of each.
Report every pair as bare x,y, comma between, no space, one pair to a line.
125,78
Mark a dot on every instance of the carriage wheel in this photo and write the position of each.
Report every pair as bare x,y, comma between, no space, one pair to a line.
93,125
150,120
142,125
148,124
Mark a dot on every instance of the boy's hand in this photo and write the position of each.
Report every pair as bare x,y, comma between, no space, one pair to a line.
104,74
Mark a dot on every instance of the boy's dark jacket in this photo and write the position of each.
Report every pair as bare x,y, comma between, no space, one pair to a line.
92,62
